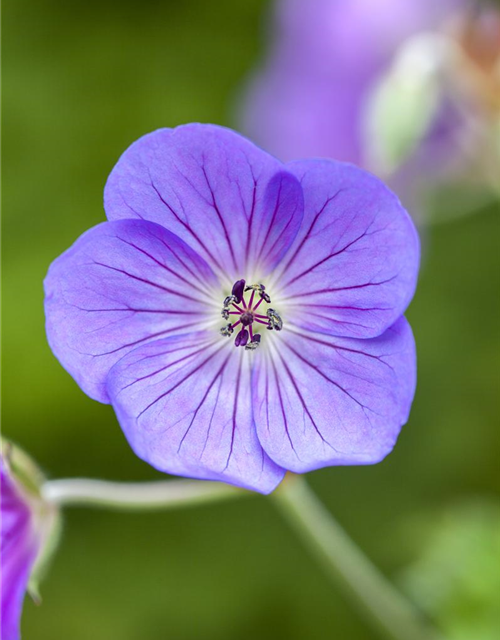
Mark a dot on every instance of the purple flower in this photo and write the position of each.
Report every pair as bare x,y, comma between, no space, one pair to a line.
26,522
327,56
242,316
408,89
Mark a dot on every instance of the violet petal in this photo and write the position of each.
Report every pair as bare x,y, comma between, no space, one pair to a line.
184,404
352,269
233,203
121,284
324,401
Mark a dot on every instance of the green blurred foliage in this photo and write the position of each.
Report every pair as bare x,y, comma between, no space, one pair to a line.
456,578
81,81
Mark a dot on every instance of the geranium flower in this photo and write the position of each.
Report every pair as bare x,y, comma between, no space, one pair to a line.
242,316
27,523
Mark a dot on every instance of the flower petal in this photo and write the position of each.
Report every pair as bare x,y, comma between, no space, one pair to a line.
352,269
15,578
230,201
121,284
19,547
321,401
184,404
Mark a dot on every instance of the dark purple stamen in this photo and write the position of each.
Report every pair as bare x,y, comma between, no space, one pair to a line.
238,289
242,338
254,342
248,318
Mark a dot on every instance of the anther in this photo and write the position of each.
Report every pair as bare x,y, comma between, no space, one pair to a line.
227,330
225,313
251,346
275,321
241,338
237,292
254,287
228,301
261,290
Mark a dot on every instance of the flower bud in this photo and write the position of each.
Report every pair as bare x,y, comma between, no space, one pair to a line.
29,534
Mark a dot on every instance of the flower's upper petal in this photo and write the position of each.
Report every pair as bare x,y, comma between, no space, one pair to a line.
229,200
352,269
321,401
19,546
184,404
121,284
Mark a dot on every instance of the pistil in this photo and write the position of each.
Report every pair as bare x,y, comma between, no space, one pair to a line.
245,312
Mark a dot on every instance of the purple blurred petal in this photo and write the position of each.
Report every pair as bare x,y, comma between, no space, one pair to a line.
121,284
184,404
19,547
353,267
321,401
309,98
231,202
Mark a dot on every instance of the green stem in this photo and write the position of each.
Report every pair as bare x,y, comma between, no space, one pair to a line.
137,496
382,604
346,564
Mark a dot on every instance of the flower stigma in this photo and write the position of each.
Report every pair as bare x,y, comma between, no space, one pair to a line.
247,314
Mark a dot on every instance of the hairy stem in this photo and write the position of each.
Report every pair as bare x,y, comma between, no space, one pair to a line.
383,606
139,496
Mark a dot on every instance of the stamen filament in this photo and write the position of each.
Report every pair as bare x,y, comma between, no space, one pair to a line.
258,303
251,299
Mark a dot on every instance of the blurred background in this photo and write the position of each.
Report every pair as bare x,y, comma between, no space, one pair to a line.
84,79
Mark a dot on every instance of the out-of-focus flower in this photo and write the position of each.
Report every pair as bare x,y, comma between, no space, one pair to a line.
410,90
244,317
28,534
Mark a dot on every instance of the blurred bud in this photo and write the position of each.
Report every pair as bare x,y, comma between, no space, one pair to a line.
29,535
438,104
405,102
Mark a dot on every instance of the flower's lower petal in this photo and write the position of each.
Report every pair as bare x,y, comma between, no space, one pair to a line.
233,203
321,401
122,284
19,547
353,266
184,404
